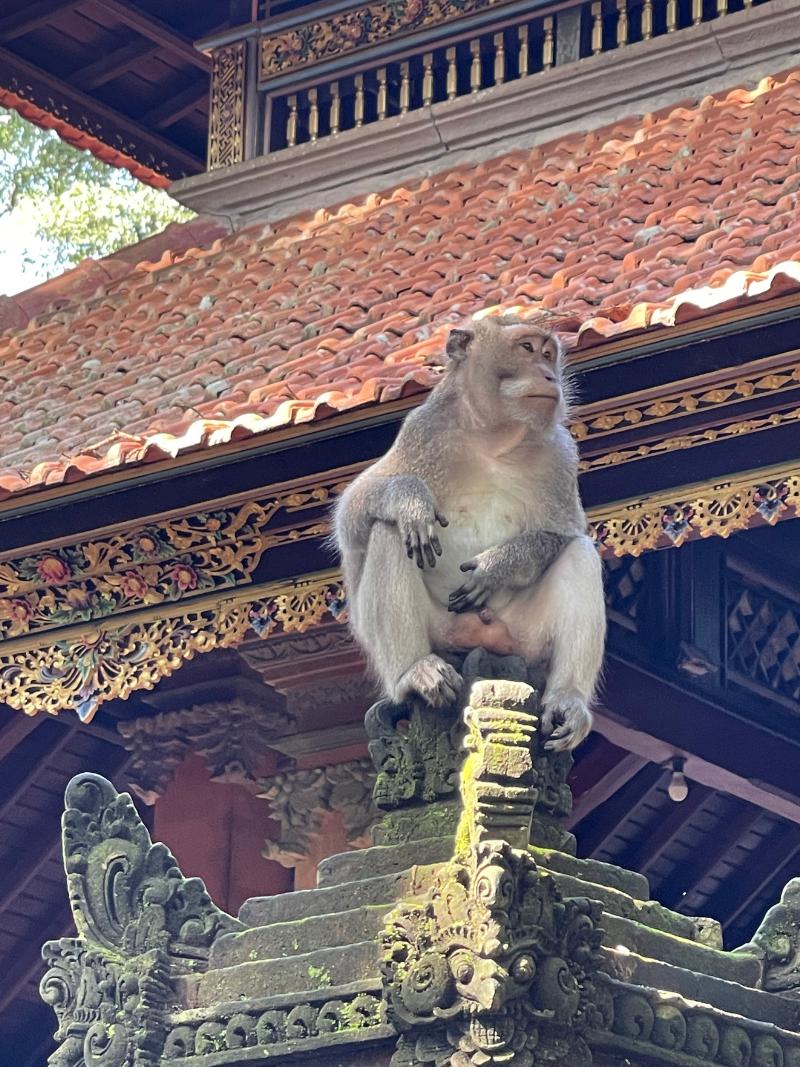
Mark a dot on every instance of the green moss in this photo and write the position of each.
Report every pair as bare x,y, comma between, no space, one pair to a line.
319,977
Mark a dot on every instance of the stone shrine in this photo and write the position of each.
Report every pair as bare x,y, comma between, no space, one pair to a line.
467,935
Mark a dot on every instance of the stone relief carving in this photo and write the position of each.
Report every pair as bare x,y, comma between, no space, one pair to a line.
491,966
777,943
139,922
231,735
298,801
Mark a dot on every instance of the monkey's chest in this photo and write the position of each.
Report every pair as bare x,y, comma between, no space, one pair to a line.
475,524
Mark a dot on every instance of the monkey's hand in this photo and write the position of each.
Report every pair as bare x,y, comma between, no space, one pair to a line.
486,576
416,520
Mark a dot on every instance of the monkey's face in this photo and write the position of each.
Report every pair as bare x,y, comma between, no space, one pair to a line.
512,371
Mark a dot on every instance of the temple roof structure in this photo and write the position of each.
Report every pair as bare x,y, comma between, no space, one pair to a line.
209,338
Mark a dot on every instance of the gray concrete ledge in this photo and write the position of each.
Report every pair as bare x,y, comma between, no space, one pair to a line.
738,49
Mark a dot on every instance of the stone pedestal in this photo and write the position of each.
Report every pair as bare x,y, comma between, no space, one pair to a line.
467,935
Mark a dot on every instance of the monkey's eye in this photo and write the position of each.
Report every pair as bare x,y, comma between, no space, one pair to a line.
549,354
526,345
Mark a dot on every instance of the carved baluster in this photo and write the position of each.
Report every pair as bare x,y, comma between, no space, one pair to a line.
452,74
647,20
524,52
383,102
697,12
672,16
548,48
336,108
359,105
475,66
499,59
405,88
622,23
722,7
597,27
313,115
427,79
291,122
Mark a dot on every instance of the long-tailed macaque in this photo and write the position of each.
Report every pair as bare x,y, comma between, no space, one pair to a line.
470,531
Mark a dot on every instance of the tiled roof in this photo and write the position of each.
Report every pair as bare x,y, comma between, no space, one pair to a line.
639,225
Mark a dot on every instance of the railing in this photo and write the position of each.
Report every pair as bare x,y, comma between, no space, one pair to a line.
309,75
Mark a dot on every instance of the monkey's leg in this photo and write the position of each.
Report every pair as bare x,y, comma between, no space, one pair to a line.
393,620
564,618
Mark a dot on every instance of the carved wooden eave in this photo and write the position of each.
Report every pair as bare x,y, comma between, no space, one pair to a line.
99,619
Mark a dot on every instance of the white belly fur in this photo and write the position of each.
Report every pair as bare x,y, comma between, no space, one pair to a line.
476,523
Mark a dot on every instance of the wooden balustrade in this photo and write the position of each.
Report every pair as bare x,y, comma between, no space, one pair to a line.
286,104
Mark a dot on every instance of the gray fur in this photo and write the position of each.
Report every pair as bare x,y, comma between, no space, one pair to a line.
470,531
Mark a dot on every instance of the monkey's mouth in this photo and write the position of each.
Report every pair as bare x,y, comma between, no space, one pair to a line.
541,396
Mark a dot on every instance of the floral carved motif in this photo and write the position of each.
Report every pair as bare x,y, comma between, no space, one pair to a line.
298,800
232,736
359,27
226,120
717,511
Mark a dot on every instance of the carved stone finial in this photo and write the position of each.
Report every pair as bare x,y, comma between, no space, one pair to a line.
139,922
491,966
777,942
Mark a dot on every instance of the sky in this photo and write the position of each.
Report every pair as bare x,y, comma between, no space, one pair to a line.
17,233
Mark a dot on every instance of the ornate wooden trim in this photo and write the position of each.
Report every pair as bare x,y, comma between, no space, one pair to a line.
226,120
91,663
300,47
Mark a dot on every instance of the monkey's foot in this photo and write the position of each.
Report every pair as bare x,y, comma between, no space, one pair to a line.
470,630
434,680
566,721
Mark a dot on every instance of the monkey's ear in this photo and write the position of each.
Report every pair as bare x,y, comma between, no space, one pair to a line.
458,343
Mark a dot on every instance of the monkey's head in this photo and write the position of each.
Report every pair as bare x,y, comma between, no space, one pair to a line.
510,371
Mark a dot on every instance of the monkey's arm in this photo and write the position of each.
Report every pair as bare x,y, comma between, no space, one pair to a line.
514,564
403,500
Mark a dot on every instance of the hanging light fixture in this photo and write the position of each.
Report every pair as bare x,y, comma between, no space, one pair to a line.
678,788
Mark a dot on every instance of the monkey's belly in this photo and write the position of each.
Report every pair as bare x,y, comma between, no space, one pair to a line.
471,531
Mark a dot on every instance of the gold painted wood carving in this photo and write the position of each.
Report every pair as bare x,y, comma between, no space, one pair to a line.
156,563
93,661
303,46
97,664
226,119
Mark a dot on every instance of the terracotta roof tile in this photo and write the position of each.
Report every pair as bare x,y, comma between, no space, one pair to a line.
196,338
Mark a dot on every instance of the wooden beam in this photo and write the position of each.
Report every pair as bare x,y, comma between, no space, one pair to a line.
159,32
175,107
29,963
605,786
677,889
83,107
16,729
111,65
58,742
654,844
736,895
601,824
31,17
658,719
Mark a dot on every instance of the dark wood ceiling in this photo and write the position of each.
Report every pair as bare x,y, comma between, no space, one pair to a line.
125,72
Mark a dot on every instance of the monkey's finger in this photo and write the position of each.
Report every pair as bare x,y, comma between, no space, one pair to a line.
436,544
441,519
429,554
559,744
470,565
416,549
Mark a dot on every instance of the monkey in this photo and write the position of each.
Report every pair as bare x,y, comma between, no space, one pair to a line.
470,531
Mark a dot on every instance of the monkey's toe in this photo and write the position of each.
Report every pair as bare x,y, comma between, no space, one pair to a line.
566,722
437,682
